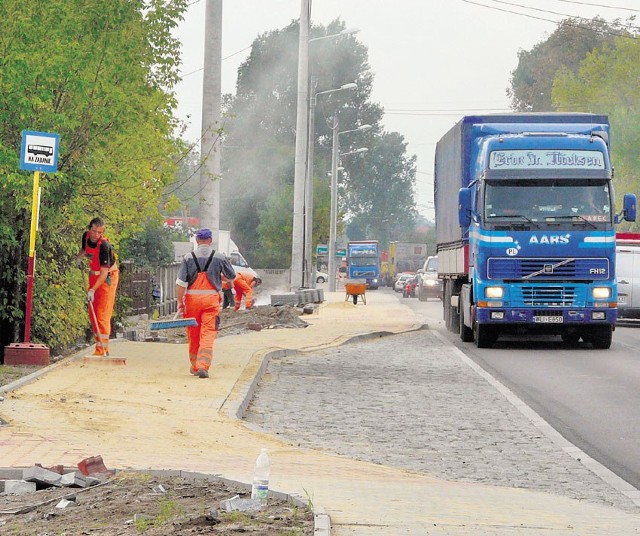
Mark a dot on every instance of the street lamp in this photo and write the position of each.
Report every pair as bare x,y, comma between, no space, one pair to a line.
333,224
302,141
308,201
346,31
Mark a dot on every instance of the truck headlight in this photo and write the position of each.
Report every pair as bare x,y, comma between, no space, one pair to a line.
601,293
494,292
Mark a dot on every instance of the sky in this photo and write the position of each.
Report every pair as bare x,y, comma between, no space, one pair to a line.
433,61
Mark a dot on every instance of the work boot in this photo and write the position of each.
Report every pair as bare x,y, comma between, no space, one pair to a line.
202,373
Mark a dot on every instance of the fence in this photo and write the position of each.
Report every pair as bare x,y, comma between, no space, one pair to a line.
149,290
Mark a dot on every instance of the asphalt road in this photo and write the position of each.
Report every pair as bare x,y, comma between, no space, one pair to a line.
591,397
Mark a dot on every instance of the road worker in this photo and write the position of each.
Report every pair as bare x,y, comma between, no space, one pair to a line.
243,285
228,292
103,282
199,289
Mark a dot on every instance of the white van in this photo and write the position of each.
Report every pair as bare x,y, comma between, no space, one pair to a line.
628,276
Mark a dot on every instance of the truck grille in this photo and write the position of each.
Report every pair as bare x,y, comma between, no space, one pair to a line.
548,269
534,296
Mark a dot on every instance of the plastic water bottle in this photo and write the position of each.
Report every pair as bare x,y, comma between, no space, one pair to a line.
260,488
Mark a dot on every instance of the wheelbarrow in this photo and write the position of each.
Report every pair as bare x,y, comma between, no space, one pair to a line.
355,289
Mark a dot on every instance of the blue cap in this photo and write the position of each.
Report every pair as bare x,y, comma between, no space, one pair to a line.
204,234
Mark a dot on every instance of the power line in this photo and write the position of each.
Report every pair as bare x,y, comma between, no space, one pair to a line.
599,5
567,22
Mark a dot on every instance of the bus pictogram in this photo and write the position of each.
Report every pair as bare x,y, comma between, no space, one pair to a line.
40,149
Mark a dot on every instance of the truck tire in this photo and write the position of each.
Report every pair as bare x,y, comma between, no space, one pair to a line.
446,303
466,333
484,336
601,339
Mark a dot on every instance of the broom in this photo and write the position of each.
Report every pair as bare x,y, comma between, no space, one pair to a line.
175,323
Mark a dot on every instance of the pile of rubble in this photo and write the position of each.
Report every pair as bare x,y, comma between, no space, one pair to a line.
232,322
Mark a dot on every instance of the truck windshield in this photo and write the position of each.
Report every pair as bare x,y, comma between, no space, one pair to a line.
578,201
363,261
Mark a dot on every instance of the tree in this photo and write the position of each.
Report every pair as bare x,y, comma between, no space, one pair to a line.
259,137
607,83
103,80
567,46
377,193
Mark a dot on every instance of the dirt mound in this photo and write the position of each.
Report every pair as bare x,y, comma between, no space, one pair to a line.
138,503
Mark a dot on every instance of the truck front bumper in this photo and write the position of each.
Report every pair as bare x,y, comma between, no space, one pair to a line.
549,317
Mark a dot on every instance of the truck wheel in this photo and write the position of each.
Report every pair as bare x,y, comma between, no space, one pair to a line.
355,299
601,339
484,336
466,333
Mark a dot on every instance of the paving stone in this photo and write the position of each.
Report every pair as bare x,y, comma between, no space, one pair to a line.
43,478
17,487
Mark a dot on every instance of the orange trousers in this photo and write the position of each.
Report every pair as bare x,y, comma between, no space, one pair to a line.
101,310
202,302
242,287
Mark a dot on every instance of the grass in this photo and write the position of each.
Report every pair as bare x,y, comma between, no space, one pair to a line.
9,374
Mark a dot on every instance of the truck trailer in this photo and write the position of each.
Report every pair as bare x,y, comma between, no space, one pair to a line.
525,227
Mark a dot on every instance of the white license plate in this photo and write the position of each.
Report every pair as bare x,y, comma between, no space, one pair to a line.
622,299
548,319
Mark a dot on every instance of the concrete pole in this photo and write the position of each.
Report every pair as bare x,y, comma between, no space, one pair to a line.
308,199
211,119
334,206
297,239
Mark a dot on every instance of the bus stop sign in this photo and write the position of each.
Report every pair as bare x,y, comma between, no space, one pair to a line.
39,151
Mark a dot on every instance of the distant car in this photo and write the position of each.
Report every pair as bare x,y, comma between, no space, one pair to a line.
401,281
321,277
429,286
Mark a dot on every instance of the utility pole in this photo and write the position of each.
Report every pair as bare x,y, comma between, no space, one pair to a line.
333,224
211,119
308,197
302,143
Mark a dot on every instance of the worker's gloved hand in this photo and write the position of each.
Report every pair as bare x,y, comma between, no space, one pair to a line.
233,291
91,294
79,262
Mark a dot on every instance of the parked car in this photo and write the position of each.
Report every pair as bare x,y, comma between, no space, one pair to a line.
321,277
429,286
401,281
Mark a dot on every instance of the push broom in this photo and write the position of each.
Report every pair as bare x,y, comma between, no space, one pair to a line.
175,323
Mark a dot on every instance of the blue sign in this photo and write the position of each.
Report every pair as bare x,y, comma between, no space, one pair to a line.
39,151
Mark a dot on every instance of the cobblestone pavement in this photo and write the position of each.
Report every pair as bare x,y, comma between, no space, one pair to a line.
409,401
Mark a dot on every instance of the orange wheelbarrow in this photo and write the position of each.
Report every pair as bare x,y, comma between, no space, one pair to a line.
355,289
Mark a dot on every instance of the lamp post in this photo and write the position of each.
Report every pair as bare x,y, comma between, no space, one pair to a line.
333,223
302,141
308,201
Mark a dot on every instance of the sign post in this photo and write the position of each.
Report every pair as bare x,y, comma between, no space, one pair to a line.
38,153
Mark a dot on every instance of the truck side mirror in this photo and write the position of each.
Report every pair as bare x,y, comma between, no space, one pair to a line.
629,207
464,207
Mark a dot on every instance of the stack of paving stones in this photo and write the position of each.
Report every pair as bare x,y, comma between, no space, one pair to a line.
300,297
30,479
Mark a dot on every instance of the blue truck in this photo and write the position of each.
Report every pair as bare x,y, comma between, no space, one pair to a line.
525,227
363,261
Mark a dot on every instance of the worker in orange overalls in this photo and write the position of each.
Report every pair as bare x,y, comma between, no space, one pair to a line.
228,292
198,289
243,284
103,282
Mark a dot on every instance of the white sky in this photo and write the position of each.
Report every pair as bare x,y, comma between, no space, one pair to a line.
433,60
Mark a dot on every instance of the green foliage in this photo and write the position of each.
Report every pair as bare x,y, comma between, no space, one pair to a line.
102,79
566,47
607,83
152,246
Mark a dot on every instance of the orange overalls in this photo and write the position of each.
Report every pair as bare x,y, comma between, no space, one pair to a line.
202,302
242,285
101,309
